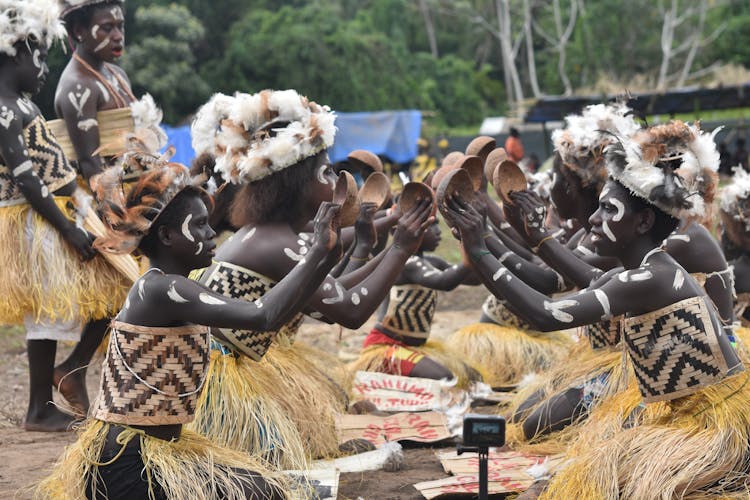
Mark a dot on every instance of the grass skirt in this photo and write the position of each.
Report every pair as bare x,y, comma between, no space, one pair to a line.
238,409
44,276
691,447
372,359
505,353
189,467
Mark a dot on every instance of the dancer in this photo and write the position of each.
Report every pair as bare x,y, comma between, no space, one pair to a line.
158,353
276,143
399,344
53,280
687,370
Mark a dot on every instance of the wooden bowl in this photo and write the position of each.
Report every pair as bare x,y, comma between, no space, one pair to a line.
442,172
459,181
508,177
365,159
451,158
473,165
481,147
496,156
411,192
376,189
346,194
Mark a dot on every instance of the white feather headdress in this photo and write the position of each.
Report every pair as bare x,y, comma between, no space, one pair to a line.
23,19
733,198
207,124
270,131
147,116
672,166
581,144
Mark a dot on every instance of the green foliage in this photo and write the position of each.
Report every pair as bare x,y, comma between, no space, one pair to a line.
162,61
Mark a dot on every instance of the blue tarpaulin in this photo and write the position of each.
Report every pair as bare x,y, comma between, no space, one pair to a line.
391,133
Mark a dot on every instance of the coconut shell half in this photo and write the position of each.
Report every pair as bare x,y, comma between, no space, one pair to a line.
346,194
473,166
458,181
451,158
376,189
481,147
442,172
508,177
496,156
412,192
363,158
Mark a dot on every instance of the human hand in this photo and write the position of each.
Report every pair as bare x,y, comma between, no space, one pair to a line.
81,240
533,213
469,223
327,228
412,225
364,228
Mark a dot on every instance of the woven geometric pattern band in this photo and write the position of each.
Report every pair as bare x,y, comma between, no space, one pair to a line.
498,311
604,334
410,311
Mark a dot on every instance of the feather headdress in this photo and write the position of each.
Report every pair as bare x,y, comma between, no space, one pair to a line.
733,198
69,6
29,19
148,116
270,131
129,217
672,166
207,124
581,144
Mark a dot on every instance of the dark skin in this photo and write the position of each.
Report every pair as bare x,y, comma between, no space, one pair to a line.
738,238
80,95
645,285
435,273
365,238
151,301
23,75
274,248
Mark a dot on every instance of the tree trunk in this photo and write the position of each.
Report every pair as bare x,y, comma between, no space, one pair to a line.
530,57
429,27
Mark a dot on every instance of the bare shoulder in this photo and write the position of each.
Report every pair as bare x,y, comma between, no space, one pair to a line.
696,250
266,250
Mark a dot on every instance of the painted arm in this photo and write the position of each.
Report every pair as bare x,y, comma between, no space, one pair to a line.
14,152
77,104
497,218
544,280
364,241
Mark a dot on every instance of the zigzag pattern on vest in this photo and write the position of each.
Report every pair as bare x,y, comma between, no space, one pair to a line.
152,375
239,283
498,311
674,350
411,312
604,333
48,162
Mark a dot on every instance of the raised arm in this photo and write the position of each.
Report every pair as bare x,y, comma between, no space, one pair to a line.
543,280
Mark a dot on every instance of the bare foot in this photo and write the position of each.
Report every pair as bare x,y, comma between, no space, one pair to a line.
50,419
72,387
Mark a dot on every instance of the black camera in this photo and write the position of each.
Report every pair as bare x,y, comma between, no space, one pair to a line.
482,431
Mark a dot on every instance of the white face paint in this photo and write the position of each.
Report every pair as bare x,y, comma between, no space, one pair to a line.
86,125
6,117
679,280
103,90
22,168
604,301
186,229
210,299
117,14
620,209
102,44
290,253
94,30
79,98
249,235
174,296
355,299
200,248
37,63
499,273
339,295
321,174
608,232
556,308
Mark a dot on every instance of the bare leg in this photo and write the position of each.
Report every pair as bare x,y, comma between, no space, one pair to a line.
525,408
554,414
42,415
429,368
70,375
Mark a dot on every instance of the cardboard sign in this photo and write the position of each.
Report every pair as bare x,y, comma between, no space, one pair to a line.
396,393
499,482
468,463
422,427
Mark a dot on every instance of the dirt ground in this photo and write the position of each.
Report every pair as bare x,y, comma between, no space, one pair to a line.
28,456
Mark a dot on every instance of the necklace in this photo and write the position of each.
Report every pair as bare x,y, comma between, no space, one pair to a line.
119,100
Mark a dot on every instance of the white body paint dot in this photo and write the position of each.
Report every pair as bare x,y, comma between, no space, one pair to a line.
210,300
